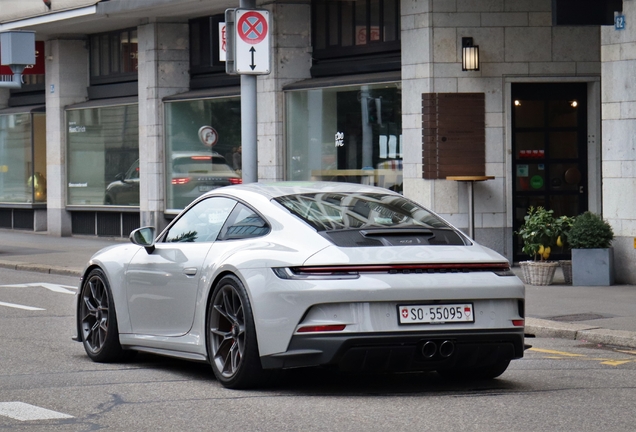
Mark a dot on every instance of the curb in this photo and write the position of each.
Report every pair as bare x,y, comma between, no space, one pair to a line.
57,270
552,329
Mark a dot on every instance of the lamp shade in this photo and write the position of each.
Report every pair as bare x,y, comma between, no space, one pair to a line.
470,55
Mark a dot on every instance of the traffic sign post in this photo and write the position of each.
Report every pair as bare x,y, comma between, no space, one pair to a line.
247,41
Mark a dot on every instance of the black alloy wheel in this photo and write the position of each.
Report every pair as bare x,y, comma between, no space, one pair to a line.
232,345
98,321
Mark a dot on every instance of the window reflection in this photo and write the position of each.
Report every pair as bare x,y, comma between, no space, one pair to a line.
194,165
351,134
103,154
23,158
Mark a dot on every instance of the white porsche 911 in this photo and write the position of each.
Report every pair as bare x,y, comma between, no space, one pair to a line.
258,277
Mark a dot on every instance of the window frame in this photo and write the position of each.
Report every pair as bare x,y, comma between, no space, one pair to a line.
370,47
110,77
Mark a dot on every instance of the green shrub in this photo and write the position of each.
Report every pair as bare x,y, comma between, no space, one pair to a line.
539,232
590,231
563,227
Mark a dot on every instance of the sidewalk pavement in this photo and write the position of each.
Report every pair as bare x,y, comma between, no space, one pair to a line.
600,315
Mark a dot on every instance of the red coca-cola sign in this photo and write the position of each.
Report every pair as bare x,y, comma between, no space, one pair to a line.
36,69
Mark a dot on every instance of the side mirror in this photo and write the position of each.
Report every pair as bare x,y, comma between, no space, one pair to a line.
144,236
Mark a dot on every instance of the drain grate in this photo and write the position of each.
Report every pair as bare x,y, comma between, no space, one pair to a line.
579,317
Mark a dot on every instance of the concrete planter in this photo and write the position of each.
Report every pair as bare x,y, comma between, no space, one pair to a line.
593,267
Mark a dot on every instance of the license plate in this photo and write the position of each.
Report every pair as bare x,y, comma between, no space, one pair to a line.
436,314
205,188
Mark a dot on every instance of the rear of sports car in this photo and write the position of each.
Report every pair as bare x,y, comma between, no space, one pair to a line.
396,289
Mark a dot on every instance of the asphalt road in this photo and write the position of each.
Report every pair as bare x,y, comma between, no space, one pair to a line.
47,383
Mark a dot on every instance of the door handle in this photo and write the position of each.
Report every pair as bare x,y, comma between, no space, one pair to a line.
190,271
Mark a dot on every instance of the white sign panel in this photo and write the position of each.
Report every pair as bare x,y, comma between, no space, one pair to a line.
251,41
222,42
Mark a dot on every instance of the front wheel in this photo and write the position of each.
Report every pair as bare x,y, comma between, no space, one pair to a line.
231,336
98,320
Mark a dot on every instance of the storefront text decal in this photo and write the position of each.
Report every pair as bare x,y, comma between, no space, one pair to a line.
339,139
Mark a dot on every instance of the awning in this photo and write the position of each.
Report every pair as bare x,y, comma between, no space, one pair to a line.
205,94
346,80
24,109
97,103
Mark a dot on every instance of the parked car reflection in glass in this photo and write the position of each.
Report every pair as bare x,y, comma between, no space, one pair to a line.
193,173
125,189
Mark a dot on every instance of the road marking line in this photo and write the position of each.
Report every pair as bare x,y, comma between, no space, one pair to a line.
25,412
17,306
64,289
562,353
616,362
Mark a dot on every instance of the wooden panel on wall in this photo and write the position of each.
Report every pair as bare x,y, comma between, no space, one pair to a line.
453,135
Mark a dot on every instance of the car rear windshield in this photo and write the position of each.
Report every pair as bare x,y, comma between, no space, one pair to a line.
341,211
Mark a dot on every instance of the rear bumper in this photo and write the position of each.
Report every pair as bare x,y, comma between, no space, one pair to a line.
399,352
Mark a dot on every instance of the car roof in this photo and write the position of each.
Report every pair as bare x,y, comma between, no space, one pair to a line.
277,189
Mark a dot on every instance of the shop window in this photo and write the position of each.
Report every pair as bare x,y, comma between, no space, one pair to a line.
103,156
23,158
203,148
113,57
368,30
350,134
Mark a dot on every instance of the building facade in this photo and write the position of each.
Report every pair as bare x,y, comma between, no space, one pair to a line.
131,115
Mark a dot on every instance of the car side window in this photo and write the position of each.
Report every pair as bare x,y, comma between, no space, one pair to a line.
202,222
243,223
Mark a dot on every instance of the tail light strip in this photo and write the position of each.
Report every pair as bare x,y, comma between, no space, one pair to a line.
353,272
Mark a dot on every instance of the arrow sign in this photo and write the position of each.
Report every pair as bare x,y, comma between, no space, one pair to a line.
251,39
64,289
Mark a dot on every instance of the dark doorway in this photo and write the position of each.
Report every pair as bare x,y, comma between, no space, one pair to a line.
549,146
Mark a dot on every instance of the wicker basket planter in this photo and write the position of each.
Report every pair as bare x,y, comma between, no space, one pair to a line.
566,266
538,272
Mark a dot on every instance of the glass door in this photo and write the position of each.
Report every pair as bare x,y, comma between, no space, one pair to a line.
549,139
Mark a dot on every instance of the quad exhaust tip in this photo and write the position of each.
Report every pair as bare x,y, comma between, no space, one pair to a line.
446,349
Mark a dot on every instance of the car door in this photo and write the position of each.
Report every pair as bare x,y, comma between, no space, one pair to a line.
162,286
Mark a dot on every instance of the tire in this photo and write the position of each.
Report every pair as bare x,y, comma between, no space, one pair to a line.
479,373
98,320
231,337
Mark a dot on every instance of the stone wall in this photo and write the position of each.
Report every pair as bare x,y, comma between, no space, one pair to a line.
618,53
290,62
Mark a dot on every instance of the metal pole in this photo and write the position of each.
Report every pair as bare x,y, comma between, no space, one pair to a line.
471,211
249,148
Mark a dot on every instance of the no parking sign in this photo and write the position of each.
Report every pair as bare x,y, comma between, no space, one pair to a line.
248,41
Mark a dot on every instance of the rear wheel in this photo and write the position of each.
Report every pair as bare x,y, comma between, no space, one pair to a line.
98,320
478,373
231,335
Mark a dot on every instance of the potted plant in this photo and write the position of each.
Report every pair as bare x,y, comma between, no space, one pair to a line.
539,233
563,226
592,255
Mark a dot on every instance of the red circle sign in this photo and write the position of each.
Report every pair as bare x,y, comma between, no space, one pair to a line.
252,27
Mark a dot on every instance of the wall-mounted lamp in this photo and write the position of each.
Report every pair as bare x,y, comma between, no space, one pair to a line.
470,55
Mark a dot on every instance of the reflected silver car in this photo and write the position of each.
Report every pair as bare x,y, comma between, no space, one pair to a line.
193,173
259,277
